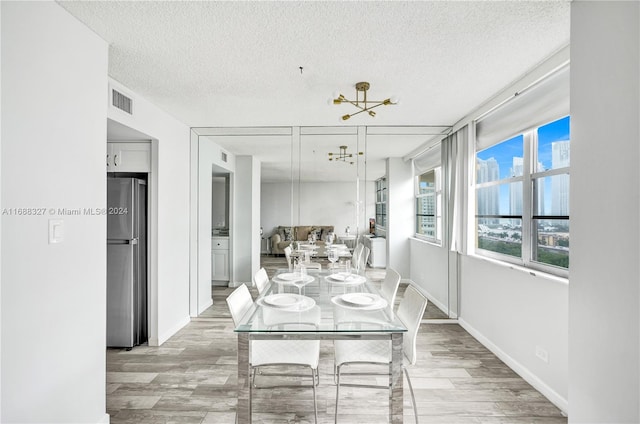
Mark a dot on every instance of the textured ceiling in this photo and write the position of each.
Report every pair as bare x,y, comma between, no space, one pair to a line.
238,63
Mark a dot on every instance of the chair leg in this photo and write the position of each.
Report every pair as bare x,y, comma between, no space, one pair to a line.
337,374
313,386
413,398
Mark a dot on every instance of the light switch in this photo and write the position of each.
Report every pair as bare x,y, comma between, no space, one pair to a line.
56,231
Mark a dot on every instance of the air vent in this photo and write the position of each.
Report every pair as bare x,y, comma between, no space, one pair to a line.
121,101
224,156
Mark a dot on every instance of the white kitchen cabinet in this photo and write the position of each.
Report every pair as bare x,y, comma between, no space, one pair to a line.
220,259
378,251
128,157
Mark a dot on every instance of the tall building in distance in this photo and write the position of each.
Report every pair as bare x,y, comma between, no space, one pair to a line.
515,189
560,183
488,200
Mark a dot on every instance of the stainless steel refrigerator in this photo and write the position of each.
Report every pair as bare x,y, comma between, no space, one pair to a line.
126,262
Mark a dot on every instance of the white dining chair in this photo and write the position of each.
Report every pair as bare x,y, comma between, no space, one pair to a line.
287,254
389,288
361,265
348,352
355,256
261,280
307,262
263,353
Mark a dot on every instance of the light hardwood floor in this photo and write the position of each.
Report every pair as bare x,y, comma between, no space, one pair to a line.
192,379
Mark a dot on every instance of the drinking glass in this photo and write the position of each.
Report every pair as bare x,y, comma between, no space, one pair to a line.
302,281
332,255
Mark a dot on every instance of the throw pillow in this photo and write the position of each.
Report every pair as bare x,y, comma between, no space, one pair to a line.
317,232
288,234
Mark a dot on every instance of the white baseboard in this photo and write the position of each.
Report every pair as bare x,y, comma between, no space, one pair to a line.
106,419
444,308
204,307
167,334
518,368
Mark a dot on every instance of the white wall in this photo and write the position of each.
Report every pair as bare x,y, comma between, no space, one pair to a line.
429,270
513,312
604,296
330,203
169,214
247,226
219,202
206,159
400,214
54,128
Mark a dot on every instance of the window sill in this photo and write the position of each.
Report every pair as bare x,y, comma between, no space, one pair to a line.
530,271
425,241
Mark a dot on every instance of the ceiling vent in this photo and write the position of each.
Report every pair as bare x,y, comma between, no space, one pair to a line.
121,101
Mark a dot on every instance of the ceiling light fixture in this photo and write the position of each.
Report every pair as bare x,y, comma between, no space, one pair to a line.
364,105
343,156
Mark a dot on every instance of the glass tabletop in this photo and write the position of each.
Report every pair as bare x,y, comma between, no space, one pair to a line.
330,301
320,250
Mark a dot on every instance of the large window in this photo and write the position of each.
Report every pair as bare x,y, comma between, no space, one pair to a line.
429,205
522,198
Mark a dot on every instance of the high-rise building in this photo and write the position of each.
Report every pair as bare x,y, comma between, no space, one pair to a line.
560,183
488,197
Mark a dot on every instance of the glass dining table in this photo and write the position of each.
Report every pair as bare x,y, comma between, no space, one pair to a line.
349,307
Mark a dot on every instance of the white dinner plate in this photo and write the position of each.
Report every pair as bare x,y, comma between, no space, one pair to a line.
292,276
308,246
282,300
292,281
360,299
287,302
346,278
379,304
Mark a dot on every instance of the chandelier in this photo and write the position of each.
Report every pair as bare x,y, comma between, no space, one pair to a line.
364,105
343,156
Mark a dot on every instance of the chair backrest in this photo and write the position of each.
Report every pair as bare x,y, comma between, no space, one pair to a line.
355,256
261,279
364,257
287,254
410,312
389,287
239,302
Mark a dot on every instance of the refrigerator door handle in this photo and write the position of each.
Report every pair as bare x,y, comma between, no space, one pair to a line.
132,241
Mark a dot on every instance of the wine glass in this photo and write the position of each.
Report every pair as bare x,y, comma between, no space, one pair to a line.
332,255
302,280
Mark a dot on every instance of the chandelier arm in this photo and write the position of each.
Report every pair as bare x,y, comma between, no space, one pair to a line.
372,107
355,104
360,111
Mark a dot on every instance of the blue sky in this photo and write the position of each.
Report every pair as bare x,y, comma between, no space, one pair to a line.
504,153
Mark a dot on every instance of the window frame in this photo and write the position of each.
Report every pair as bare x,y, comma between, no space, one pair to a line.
438,196
381,204
529,236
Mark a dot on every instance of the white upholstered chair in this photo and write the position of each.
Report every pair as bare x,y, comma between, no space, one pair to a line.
261,280
347,352
305,353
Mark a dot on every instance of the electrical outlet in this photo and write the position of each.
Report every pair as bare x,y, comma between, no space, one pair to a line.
542,354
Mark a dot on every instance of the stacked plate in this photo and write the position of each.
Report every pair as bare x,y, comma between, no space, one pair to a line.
290,277
346,278
287,302
360,301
